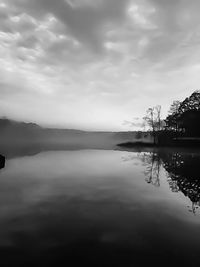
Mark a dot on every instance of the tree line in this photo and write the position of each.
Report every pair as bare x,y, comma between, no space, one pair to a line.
183,119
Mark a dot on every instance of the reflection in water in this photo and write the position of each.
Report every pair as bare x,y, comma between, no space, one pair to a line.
88,207
152,162
182,170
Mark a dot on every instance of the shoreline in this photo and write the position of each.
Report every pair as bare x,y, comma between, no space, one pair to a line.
182,144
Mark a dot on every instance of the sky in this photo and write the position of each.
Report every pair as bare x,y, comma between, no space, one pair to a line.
95,64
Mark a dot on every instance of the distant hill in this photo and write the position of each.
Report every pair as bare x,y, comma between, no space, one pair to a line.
13,133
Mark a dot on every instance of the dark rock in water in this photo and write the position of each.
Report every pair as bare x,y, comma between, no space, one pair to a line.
2,161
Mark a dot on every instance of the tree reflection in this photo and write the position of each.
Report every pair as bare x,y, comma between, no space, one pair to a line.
182,169
152,162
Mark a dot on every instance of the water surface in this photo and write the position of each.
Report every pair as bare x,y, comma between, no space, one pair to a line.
100,208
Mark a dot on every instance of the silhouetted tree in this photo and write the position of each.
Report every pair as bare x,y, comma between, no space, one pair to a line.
153,120
172,118
184,116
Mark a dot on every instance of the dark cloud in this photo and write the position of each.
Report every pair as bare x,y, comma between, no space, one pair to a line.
87,24
29,41
163,24
176,21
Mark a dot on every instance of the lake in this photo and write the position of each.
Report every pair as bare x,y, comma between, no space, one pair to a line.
100,208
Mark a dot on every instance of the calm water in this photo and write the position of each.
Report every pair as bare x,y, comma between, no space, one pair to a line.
100,208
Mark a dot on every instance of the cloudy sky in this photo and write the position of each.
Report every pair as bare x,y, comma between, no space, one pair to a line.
93,64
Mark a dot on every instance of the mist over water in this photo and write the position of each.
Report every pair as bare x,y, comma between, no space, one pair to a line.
99,208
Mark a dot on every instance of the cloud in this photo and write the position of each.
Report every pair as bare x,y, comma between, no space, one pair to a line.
109,58
87,23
